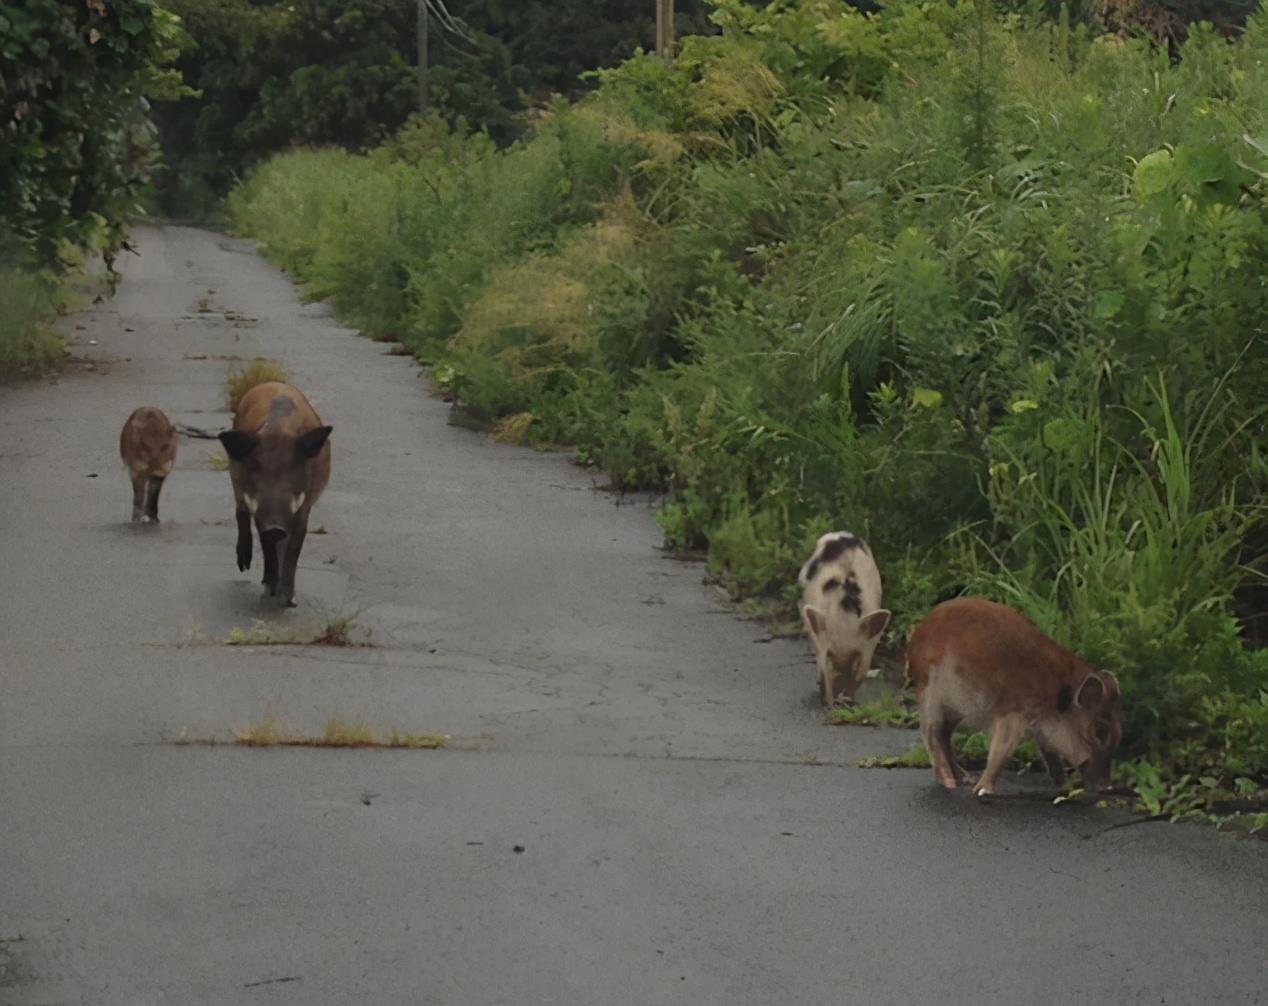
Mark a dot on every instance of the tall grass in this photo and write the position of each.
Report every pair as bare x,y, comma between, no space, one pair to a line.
27,305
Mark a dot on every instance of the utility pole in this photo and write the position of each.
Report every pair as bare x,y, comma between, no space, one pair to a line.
422,56
665,29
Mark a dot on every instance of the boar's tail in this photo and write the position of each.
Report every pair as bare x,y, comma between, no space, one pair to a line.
195,433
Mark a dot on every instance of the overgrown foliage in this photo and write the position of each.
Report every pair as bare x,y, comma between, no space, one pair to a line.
270,74
27,300
75,149
990,292
74,77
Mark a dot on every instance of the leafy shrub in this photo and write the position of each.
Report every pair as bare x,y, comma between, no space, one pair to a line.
77,146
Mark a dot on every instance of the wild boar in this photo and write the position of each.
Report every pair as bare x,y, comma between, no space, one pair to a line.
841,606
147,445
977,662
279,461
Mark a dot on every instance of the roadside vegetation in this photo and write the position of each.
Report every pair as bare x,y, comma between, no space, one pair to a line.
988,289
27,303
76,147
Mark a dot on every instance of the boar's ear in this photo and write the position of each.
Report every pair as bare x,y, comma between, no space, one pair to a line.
873,623
815,623
311,442
239,443
1112,681
1091,692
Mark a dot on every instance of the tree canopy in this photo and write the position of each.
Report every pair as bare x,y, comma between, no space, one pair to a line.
75,139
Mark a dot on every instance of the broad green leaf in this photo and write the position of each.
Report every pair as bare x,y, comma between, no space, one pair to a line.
1107,304
1152,175
1063,434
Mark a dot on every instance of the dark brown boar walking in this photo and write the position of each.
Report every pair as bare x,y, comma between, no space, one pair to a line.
147,445
279,460
980,663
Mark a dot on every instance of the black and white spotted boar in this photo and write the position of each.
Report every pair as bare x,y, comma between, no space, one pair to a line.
841,606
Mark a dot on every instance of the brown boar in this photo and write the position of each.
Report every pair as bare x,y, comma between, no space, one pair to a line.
980,663
279,461
841,606
147,445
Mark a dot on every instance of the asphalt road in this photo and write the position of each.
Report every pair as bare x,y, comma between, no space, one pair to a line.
690,830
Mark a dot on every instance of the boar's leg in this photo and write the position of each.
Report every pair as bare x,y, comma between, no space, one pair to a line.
152,488
943,740
1005,736
244,540
1052,762
932,728
294,542
138,496
269,547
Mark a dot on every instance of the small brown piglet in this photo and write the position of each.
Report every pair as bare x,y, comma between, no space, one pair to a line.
980,663
148,448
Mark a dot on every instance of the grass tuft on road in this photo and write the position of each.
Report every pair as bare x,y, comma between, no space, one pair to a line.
272,731
337,628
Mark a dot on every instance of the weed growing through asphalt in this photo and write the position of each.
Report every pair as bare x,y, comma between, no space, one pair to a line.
217,461
893,710
914,757
337,628
272,731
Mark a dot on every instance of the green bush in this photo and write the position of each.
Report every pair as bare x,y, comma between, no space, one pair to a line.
74,79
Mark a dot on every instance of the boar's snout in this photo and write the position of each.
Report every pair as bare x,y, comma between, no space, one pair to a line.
272,535
1096,772
1099,698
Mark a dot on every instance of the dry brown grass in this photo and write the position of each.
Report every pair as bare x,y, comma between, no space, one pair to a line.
536,314
337,631
512,429
246,376
272,731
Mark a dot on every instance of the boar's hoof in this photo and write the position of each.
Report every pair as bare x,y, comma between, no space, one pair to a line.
984,791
